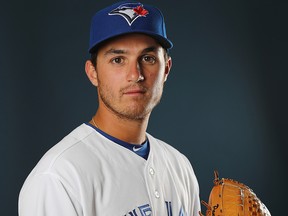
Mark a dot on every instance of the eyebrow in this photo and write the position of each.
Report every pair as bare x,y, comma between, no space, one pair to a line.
149,49
121,51
115,51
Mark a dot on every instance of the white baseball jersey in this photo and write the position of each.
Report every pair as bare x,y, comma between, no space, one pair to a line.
86,174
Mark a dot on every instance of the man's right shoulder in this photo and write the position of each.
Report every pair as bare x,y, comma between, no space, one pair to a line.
63,148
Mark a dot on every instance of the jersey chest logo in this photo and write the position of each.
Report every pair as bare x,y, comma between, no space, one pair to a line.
145,210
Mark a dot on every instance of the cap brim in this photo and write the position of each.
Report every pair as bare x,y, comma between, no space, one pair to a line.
164,42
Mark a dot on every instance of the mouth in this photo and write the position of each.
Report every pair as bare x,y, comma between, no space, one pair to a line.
134,90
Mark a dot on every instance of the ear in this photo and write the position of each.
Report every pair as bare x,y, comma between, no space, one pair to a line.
91,73
167,68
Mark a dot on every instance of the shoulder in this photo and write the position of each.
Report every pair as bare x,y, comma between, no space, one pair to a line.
158,144
73,142
169,152
56,167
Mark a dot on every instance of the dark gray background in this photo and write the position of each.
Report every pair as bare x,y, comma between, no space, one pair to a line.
224,105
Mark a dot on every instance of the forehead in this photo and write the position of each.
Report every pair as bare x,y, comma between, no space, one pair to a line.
135,41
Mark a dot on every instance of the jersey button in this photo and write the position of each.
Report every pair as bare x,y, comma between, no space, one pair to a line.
151,171
157,195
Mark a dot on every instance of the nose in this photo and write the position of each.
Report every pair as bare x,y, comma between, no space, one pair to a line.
134,73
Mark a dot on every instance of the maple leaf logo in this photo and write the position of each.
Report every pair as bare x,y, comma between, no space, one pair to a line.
140,11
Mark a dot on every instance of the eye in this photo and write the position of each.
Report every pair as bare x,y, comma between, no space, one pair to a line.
117,60
148,59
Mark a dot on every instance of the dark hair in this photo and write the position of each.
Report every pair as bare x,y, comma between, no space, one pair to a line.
93,58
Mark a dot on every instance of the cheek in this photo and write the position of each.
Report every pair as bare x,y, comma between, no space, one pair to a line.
157,85
109,83
158,77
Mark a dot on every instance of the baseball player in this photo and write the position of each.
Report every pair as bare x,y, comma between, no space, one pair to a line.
111,166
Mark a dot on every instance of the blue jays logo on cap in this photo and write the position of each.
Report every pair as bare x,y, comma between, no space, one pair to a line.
130,11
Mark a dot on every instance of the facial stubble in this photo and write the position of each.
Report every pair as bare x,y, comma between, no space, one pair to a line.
138,109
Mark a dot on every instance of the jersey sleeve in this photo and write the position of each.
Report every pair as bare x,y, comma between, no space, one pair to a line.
46,195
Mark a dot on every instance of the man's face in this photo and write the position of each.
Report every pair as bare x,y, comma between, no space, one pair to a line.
120,62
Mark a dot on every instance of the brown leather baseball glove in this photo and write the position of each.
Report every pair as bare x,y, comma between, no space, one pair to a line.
232,198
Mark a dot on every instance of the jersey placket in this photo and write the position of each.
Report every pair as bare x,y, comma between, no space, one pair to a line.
156,196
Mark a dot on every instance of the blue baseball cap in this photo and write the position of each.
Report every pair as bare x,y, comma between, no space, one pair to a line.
128,17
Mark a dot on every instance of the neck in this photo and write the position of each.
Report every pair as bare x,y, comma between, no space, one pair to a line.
130,131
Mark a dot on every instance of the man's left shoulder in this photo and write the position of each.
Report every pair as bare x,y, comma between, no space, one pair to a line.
163,147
